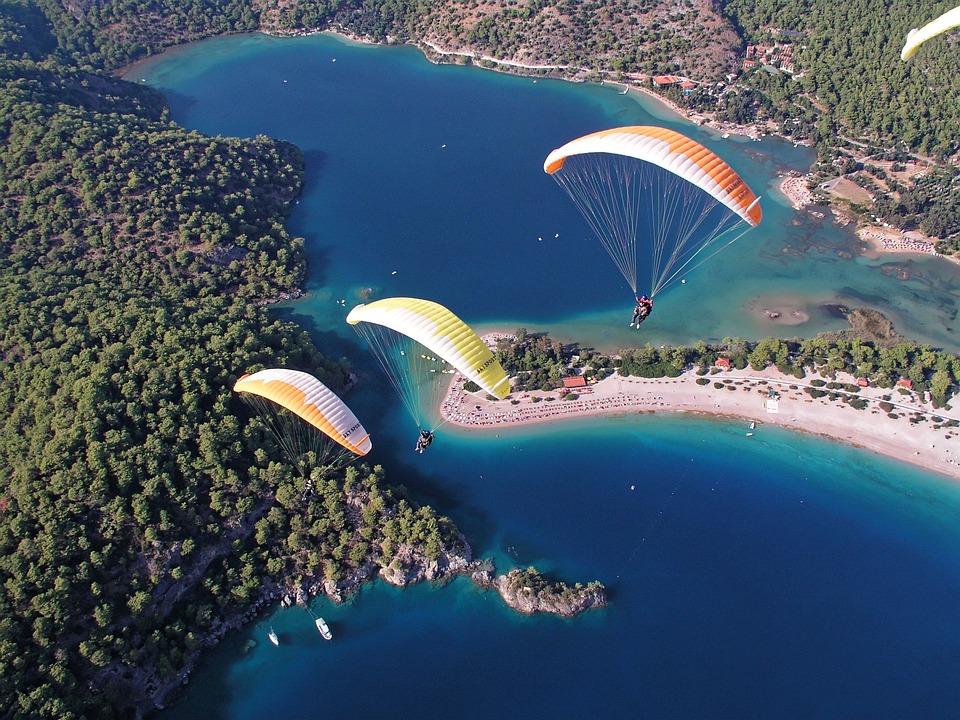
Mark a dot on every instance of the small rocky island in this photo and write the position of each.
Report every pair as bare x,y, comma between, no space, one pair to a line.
529,592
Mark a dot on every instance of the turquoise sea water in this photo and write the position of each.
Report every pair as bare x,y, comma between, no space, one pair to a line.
779,576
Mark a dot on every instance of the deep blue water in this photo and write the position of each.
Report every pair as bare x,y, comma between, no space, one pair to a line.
780,576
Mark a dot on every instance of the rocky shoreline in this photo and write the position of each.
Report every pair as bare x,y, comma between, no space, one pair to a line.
529,592
525,591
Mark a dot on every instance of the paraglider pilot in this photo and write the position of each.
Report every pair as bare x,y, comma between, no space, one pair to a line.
642,311
424,440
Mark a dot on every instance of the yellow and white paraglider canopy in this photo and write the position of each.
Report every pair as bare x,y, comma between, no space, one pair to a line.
310,400
441,332
655,199
917,37
415,340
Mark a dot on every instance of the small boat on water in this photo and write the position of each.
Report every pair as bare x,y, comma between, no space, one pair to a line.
274,638
753,426
749,434
324,630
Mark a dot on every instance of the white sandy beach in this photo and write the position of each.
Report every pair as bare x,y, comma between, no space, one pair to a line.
743,394
796,190
881,239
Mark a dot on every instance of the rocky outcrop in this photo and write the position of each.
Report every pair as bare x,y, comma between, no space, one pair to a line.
411,565
281,297
340,590
527,591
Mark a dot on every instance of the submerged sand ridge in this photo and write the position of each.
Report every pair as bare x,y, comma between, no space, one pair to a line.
905,427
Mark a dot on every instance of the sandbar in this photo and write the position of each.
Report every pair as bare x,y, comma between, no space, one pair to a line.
780,310
913,432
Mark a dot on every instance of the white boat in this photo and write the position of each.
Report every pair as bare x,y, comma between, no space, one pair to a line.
274,638
324,630
753,426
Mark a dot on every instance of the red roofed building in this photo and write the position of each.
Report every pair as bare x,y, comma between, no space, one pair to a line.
665,79
577,381
723,363
905,383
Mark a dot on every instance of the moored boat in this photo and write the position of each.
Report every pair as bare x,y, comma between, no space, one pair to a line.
274,638
324,630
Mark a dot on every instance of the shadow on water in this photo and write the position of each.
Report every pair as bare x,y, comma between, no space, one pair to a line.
218,694
180,104
318,265
332,344
315,161
431,488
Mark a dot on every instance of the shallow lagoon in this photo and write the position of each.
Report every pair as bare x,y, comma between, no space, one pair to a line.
770,577
413,167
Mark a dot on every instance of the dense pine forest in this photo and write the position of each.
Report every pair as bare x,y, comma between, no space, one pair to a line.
140,506
868,112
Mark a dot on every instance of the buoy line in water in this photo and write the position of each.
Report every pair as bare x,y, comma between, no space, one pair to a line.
653,524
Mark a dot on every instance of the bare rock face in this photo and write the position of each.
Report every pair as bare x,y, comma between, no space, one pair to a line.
410,565
482,574
527,591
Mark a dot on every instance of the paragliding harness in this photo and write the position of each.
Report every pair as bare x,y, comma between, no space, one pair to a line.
424,440
642,311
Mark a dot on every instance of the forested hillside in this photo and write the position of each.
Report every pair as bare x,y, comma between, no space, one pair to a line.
142,509
848,60
869,112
